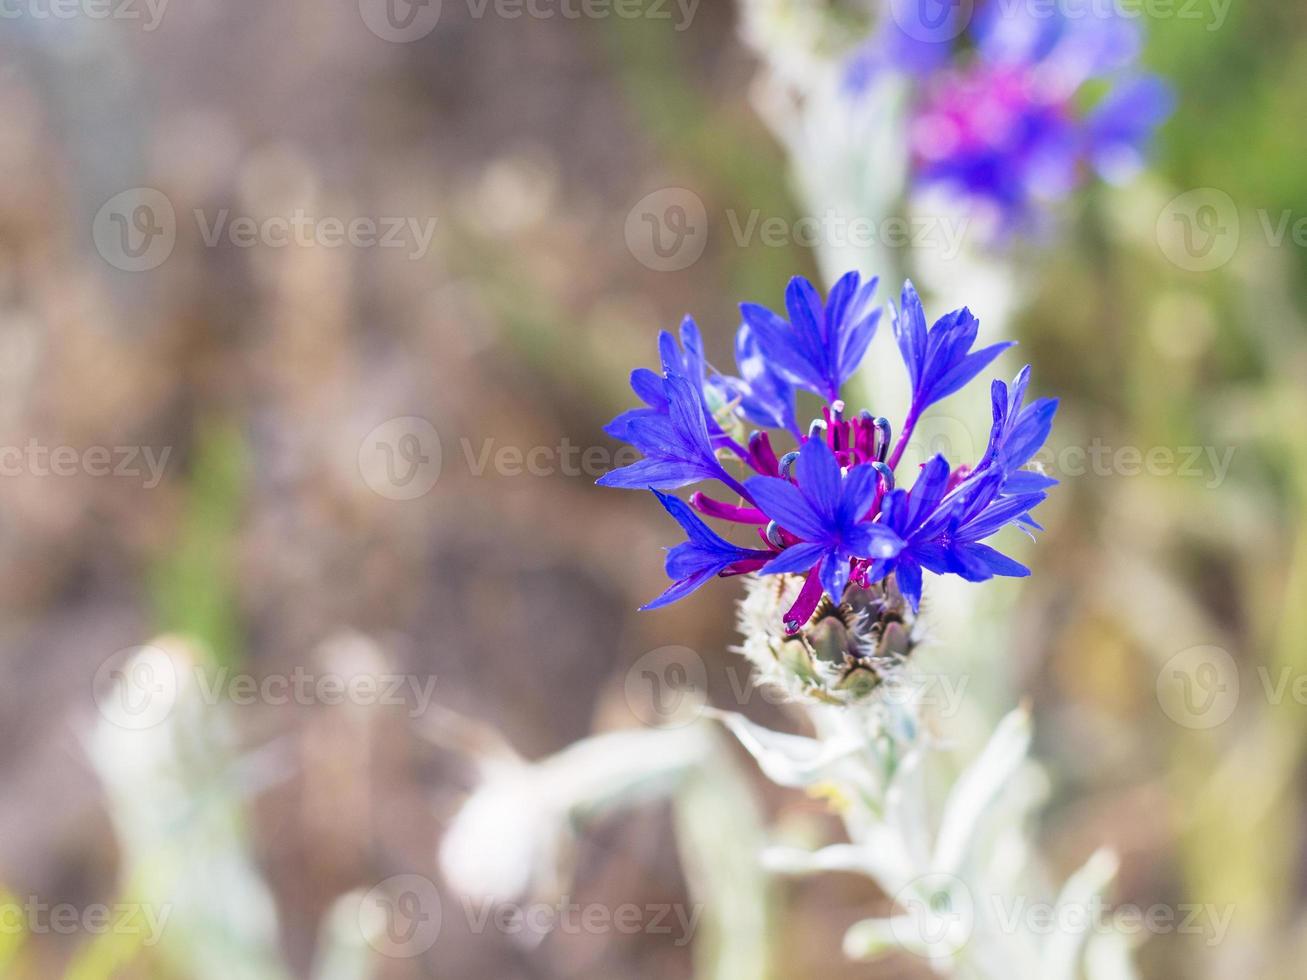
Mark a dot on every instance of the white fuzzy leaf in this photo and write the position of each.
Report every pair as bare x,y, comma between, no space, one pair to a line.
977,788
880,856
1078,900
787,760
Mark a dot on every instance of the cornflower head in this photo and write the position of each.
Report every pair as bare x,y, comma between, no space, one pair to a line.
838,549
1012,106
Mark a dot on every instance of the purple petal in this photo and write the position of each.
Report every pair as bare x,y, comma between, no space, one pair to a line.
997,562
834,575
909,325
796,558
908,576
781,501
661,474
679,590
857,494
873,541
819,479
928,491
965,370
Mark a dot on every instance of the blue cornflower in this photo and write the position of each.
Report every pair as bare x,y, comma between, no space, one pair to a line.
826,512
1119,127
821,345
939,361
942,532
703,556
673,436
829,510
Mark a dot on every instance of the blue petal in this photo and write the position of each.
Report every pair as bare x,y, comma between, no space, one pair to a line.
927,492
695,529
857,494
965,562
821,346
648,386
818,474
664,474
1030,432
997,562
964,370
796,558
909,323
873,541
998,514
765,397
676,445
782,502
933,556
834,574
679,590
1027,481
620,427
703,555
908,575
808,321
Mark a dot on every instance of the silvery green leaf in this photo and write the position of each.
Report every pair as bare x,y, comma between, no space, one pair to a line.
623,767
938,922
906,808
504,837
978,787
879,854
787,760
1006,852
511,831
1080,897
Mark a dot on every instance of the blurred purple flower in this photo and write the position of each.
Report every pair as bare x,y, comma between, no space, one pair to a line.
999,114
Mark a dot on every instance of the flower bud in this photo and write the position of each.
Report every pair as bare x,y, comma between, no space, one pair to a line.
843,654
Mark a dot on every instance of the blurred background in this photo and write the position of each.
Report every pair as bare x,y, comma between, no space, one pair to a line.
310,318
